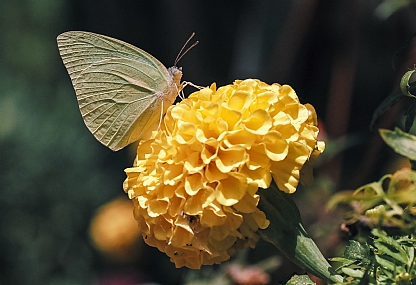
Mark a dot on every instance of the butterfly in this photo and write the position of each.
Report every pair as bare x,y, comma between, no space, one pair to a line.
122,91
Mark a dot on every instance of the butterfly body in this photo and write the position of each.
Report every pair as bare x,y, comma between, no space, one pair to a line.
122,91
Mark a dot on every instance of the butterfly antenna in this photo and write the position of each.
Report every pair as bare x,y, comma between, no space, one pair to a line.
181,53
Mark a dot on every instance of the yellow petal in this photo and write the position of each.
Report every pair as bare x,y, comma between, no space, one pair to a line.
259,176
213,215
239,100
217,128
286,172
193,163
230,190
193,183
182,233
281,118
182,112
257,157
224,244
212,173
264,100
195,205
157,207
230,158
306,173
260,219
259,122
173,174
312,117
231,117
176,205
204,94
186,133
247,204
276,146
232,223
239,138
209,151
162,229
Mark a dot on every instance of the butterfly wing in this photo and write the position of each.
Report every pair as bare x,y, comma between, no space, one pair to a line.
120,88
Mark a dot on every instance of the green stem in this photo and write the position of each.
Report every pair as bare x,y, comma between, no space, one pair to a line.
286,232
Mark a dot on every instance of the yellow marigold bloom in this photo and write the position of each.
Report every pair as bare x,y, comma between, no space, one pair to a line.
114,232
194,182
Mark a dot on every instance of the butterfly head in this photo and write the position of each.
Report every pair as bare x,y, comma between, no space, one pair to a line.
176,75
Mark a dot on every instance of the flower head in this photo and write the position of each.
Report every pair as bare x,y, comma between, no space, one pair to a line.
113,234
194,182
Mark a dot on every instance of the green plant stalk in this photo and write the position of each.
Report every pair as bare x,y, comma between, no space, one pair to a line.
287,233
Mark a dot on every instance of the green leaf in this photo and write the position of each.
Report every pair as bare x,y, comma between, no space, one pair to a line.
401,142
300,280
392,252
345,262
358,252
384,106
342,259
356,273
389,246
411,254
287,233
385,262
410,116
404,83
407,89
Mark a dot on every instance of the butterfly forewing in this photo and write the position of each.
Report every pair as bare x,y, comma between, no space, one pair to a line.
80,49
118,86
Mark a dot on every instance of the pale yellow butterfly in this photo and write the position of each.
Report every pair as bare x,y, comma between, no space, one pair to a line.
122,91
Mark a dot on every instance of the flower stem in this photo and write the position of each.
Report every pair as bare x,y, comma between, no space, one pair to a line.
287,233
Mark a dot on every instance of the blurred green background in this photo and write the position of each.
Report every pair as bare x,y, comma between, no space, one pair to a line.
343,57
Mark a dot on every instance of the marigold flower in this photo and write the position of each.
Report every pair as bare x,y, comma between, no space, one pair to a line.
194,182
113,234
